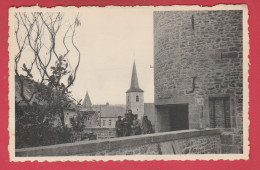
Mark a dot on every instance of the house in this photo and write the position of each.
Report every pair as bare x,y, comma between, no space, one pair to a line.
29,87
28,90
109,114
91,116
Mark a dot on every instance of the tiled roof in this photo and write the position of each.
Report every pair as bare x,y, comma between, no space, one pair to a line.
29,89
110,110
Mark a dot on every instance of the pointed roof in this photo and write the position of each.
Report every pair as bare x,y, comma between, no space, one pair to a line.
134,82
87,105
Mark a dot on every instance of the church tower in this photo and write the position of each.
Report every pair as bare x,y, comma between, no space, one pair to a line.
135,96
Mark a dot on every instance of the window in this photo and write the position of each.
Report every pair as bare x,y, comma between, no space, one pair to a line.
104,122
137,98
110,122
128,99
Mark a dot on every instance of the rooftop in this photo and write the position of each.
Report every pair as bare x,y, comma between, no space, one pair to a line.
110,110
134,82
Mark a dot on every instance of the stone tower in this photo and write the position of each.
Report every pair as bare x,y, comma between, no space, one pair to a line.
198,70
135,96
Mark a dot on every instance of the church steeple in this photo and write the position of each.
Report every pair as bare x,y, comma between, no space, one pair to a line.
135,96
87,103
134,87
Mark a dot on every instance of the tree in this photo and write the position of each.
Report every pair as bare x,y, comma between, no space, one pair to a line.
46,67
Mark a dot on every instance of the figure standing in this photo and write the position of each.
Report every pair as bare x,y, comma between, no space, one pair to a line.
126,125
136,127
131,116
119,127
146,126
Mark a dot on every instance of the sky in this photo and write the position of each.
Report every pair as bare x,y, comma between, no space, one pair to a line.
109,42
109,39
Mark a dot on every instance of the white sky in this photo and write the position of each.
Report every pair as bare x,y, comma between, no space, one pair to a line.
109,42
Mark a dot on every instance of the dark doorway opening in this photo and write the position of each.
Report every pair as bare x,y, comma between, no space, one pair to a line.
174,117
179,117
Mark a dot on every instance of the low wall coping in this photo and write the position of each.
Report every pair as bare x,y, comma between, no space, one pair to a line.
99,128
113,143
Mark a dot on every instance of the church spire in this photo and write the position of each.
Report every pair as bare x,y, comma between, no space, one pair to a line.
87,103
134,87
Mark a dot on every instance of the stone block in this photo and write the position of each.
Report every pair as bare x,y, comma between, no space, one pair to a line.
230,55
229,149
226,138
129,141
166,148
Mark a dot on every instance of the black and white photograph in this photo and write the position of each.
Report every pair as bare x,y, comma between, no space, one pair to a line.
136,83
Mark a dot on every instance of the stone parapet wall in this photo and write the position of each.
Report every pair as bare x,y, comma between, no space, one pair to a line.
206,141
197,145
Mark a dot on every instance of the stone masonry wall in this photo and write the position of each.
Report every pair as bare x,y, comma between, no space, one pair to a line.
102,133
178,142
198,55
197,145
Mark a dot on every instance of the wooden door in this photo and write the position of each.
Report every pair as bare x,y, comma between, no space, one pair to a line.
219,111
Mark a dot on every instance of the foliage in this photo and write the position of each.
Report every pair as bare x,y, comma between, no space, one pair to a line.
34,129
77,123
43,101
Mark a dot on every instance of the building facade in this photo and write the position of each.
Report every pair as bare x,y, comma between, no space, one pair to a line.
109,114
89,115
198,71
135,96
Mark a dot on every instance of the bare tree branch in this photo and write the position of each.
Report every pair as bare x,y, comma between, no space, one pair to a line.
37,33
